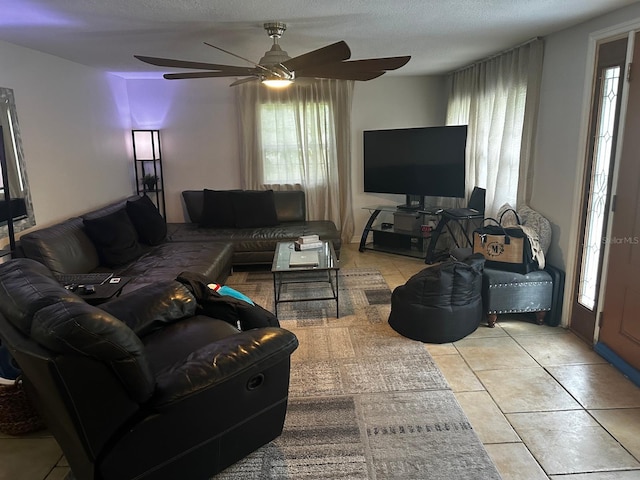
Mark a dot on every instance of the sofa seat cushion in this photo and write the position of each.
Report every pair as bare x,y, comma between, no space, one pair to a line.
167,261
259,238
175,342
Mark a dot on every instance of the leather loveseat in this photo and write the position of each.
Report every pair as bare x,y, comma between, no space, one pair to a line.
159,392
253,221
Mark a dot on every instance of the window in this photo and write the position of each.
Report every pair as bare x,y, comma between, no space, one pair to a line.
299,138
294,143
599,189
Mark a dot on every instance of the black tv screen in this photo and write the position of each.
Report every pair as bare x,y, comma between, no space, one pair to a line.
427,161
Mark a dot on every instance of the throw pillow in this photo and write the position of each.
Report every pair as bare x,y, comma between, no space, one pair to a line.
114,237
147,220
254,208
217,209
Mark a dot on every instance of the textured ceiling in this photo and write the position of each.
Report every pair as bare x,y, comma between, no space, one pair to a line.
440,35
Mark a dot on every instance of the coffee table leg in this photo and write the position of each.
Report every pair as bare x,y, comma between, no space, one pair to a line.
337,294
275,295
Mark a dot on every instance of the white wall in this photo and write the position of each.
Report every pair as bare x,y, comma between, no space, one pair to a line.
72,120
390,102
198,129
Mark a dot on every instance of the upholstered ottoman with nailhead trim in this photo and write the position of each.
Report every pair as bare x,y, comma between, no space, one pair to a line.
509,292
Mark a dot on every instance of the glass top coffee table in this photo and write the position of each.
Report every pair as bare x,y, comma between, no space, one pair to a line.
317,265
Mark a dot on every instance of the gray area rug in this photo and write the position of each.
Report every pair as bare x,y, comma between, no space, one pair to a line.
364,402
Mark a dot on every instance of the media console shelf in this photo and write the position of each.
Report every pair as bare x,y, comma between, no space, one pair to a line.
409,240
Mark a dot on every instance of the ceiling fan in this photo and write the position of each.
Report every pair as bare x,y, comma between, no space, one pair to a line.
277,69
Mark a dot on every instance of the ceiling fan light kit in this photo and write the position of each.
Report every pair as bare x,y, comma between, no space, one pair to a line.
277,70
276,82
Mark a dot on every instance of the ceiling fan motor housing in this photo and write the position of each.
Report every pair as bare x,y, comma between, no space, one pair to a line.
274,56
275,29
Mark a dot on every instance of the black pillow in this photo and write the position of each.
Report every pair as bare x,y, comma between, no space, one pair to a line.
217,209
114,237
147,220
254,208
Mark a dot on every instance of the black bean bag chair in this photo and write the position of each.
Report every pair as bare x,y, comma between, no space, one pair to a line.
440,304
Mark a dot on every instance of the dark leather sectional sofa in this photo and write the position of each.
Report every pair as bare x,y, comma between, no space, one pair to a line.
66,247
255,244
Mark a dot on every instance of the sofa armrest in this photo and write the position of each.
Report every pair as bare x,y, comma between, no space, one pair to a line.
152,306
222,360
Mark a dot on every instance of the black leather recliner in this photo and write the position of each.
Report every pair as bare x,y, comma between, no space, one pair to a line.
168,394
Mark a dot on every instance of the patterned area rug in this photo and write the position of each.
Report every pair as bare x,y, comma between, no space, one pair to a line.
364,402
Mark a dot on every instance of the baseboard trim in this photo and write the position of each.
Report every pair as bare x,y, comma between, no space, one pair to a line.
627,370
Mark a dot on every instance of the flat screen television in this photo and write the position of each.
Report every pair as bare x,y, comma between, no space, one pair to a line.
416,162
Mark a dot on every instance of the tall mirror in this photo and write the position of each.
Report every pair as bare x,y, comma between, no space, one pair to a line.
13,176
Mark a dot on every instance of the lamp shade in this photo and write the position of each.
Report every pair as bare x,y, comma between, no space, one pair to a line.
146,144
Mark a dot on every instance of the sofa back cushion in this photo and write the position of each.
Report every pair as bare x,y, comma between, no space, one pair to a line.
115,238
63,248
290,206
216,209
147,220
254,208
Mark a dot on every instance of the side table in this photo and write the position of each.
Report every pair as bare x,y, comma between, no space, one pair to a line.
104,292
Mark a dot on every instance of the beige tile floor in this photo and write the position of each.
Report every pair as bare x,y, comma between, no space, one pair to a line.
542,402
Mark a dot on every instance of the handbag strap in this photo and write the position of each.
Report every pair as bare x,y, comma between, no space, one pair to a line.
483,236
514,212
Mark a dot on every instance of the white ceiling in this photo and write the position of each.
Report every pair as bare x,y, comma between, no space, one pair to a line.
440,35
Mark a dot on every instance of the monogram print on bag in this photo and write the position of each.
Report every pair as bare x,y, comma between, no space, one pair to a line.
495,249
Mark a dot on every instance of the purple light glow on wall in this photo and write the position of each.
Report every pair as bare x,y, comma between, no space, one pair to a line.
150,100
25,12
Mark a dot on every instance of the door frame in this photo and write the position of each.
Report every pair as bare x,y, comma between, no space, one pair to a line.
573,255
578,312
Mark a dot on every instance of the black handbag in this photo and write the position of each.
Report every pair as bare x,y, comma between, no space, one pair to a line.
504,248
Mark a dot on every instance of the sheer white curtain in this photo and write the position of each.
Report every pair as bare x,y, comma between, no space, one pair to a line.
498,98
299,138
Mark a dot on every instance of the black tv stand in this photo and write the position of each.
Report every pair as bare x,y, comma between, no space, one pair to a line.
410,207
413,202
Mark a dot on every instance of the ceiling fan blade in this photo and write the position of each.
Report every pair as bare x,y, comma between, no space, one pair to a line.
338,75
333,53
356,66
244,80
386,63
187,75
257,65
168,62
